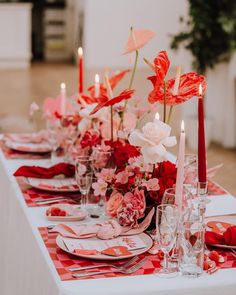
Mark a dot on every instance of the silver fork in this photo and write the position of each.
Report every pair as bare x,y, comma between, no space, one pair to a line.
123,270
125,264
233,252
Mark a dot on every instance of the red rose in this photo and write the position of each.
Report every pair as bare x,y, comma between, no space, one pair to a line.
123,153
90,139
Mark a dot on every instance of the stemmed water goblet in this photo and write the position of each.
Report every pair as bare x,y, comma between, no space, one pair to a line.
84,177
167,221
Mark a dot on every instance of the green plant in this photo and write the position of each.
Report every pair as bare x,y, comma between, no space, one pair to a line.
210,32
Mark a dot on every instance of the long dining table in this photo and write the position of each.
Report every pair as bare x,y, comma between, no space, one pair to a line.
27,268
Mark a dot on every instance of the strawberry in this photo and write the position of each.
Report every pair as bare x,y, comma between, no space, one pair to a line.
205,265
214,256
62,213
55,211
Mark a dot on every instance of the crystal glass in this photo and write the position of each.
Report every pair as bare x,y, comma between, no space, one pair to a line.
190,171
167,220
84,183
54,138
84,177
192,245
169,198
102,159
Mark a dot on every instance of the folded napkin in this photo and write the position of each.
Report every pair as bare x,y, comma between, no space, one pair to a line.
41,172
107,230
228,237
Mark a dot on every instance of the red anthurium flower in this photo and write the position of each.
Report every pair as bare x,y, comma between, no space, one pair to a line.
188,86
137,39
114,80
126,94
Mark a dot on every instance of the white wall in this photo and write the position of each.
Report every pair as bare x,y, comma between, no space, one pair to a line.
107,24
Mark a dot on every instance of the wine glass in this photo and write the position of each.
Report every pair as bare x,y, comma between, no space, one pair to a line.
167,220
84,177
54,136
102,159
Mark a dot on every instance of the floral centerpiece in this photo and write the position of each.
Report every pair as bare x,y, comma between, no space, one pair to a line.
141,172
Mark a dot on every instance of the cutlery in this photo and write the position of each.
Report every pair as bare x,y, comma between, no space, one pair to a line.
54,200
233,252
123,270
127,263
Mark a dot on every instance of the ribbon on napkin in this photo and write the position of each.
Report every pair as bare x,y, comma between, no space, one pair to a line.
227,238
41,172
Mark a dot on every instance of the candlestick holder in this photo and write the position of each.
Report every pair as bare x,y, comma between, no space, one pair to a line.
202,193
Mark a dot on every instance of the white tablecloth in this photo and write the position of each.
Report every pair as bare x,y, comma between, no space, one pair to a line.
27,269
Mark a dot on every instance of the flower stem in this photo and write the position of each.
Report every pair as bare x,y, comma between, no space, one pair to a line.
169,116
111,108
164,114
130,85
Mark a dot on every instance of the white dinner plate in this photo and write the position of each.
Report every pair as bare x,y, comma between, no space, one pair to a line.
53,185
225,218
145,238
29,147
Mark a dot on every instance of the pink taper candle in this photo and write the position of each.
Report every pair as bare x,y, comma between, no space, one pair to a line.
63,99
180,170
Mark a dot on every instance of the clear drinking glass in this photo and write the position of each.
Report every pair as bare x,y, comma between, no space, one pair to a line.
167,220
54,135
102,159
84,183
192,245
84,177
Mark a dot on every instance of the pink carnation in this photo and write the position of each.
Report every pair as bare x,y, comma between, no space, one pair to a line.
123,176
152,184
137,199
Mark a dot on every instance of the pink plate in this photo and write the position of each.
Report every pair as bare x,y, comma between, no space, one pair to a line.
54,184
146,239
29,147
75,213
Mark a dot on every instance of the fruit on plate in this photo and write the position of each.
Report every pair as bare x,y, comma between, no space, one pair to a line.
56,211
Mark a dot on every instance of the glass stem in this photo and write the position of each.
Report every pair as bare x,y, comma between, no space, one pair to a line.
165,261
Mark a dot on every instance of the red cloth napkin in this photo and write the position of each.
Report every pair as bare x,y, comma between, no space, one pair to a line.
41,172
228,237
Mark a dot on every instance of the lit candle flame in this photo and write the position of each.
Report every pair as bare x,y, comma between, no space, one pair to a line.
97,79
200,90
80,51
182,126
157,116
63,85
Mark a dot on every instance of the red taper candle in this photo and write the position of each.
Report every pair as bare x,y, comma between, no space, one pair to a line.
80,70
201,139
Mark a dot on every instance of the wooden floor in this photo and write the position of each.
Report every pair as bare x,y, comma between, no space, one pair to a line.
18,88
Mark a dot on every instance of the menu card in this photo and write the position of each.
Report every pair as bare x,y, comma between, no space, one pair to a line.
131,242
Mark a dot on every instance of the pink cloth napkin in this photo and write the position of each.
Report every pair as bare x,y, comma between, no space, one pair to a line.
108,230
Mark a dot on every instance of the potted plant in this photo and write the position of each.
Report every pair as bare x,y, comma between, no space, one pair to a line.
210,36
